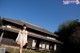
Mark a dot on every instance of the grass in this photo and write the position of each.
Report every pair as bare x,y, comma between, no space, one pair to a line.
16,50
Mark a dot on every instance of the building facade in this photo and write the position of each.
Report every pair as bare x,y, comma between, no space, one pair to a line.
38,38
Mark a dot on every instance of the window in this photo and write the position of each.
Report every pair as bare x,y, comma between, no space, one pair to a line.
33,43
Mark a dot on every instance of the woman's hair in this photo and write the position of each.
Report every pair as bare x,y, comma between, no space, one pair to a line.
24,25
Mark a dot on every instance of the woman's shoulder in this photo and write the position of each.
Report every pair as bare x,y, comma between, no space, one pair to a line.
20,30
26,31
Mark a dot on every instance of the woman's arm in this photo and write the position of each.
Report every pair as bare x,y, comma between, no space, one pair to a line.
27,33
18,35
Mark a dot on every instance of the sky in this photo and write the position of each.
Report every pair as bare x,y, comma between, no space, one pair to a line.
47,14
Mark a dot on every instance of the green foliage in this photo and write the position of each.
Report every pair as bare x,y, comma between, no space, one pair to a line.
16,50
1,22
66,29
75,36
69,34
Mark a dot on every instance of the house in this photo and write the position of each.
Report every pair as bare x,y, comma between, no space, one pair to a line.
38,38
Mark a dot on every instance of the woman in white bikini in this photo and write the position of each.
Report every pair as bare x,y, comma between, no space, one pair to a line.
22,37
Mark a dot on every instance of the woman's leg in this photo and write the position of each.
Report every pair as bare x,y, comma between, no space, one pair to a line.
21,46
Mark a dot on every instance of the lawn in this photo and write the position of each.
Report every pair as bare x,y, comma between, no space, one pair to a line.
16,50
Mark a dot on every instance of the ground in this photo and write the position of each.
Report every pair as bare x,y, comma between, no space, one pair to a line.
12,49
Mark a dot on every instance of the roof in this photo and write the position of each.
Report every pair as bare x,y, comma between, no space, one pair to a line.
32,35
34,27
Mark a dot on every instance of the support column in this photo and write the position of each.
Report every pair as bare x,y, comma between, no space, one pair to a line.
51,47
55,48
1,36
29,44
37,44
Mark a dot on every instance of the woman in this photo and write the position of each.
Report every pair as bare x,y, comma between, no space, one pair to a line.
22,37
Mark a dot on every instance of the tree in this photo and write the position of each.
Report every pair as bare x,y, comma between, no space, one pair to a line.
0,21
69,34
